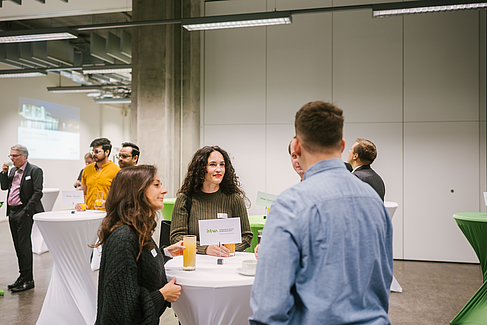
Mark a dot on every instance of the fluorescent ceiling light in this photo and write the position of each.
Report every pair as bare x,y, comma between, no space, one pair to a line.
113,100
22,73
120,68
235,21
74,89
37,35
422,7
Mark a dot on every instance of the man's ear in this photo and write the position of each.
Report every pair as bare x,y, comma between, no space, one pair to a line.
297,146
343,145
136,159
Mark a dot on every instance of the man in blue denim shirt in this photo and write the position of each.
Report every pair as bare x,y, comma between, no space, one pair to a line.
326,251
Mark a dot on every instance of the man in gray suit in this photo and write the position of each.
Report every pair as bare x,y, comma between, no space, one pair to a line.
361,156
24,185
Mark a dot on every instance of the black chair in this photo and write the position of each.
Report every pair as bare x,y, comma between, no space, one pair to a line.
164,239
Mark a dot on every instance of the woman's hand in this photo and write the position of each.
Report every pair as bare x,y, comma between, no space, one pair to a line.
215,250
171,291
176,249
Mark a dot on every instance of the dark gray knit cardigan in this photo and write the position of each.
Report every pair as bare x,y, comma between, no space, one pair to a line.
128,290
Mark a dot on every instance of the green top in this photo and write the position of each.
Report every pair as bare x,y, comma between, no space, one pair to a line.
257,220
205,206
471,216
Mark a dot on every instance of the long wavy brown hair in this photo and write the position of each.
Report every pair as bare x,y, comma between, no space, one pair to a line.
127,204
195,177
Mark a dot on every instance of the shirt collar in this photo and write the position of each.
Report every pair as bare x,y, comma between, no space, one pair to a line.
323,165
22,168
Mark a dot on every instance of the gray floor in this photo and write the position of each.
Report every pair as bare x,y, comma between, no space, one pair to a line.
433,292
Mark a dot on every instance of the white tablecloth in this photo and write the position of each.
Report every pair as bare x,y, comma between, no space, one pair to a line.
391,208
213,294
71,296
49,196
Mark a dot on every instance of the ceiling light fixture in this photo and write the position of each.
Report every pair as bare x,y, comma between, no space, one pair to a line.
75,89
423,7
113,100
235,21
37,35
22,73
115,68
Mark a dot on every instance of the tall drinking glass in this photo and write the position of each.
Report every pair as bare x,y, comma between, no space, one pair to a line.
189,254
99,200
231,247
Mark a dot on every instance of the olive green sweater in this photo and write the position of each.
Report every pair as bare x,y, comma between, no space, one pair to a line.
206,206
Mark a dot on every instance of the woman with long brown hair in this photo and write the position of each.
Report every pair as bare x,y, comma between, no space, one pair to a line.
132,285
211,187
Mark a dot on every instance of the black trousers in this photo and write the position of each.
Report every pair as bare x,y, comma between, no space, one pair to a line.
21,229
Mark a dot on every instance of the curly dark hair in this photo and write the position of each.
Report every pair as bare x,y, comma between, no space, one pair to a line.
195,177
127,204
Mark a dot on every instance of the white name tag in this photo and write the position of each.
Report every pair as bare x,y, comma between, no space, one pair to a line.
27,178
154,253
222,215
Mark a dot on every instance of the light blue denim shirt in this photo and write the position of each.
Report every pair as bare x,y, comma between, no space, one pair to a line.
326,253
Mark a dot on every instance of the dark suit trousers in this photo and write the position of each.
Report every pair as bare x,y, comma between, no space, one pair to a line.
21,229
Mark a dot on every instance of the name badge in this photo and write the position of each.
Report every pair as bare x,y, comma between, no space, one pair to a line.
222,215
154,253
27,178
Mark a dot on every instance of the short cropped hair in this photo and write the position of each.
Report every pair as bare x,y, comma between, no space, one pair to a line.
319,126
103,142
20,148
366,150
135,148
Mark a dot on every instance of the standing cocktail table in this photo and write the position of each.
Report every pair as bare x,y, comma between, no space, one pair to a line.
474,227
71,296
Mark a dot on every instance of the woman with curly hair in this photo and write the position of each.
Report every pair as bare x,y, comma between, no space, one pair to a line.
209,188
132,285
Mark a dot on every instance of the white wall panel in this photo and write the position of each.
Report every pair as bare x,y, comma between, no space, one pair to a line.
388,139
298,68
439,158
246,146
367,66
234,7
441,67
235,76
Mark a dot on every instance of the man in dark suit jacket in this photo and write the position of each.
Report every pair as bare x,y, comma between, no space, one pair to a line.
24,185
361,156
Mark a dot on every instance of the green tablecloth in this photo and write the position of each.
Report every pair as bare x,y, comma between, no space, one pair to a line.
168,206
474,227
256,223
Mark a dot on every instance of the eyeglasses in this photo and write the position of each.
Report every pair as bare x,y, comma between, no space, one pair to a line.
123,156
96,151
14,156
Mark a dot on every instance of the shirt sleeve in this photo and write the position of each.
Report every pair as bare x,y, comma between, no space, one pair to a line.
241,211
179,222
272,300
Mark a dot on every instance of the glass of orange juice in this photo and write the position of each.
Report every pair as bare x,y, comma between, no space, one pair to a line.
231,247
99,199
83,205
189,254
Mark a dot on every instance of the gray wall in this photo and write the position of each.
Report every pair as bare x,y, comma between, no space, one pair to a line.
413,85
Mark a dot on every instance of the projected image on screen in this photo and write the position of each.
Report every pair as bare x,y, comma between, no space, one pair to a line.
48,130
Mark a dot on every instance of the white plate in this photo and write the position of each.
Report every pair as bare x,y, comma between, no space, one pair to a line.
239,269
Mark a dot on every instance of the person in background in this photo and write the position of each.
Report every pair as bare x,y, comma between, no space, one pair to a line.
294,160
361,156
88,160
24,185
132,285
326,256
128,155
212,187
98,176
